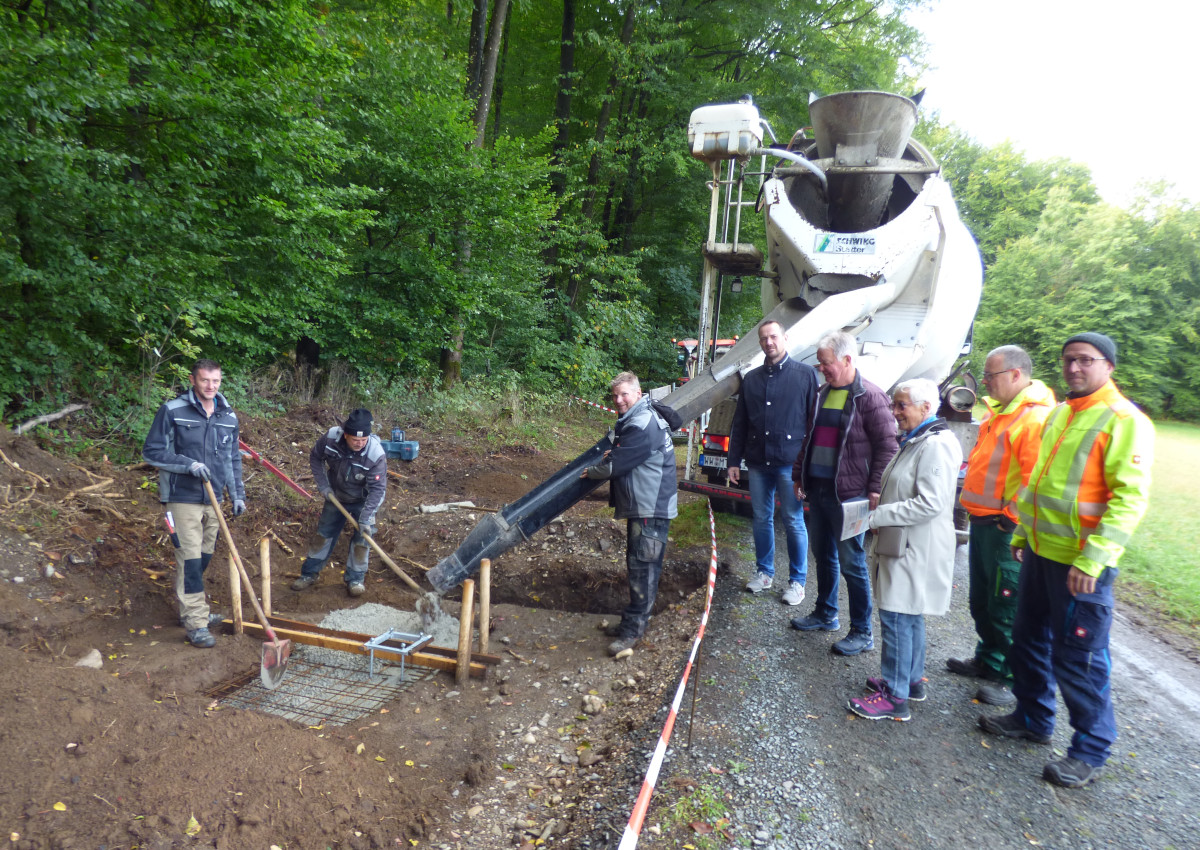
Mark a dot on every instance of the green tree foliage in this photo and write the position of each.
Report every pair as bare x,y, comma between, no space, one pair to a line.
226,177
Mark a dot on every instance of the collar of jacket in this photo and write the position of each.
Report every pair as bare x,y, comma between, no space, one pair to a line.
1036,393
775,368
931,425
219,401
1106,396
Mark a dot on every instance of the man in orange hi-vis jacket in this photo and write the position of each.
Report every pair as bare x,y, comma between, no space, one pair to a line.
997,468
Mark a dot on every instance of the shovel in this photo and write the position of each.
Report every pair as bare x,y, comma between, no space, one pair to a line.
428,604
274,654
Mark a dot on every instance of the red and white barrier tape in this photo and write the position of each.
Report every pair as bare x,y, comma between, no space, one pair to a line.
592,404
634,828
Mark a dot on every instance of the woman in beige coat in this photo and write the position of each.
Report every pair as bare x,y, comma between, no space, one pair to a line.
912,559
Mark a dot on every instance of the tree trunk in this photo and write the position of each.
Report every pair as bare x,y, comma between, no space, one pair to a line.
491,53
562,99
593,174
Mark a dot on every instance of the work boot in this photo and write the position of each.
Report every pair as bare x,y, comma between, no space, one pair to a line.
854,643
356,588
201,638
966,667
1010,726
613,630
1070,773
304,582
621,644
994,693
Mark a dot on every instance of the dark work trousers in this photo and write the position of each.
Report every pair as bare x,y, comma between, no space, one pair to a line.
329,528
645,545
993,595
1063,639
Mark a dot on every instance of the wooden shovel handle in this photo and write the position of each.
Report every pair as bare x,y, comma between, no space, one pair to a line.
237,560
371,541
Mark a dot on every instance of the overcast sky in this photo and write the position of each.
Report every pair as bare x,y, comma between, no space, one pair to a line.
1110,85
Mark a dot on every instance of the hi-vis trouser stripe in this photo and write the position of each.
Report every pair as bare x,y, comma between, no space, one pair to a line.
637,817
988,499
1052,514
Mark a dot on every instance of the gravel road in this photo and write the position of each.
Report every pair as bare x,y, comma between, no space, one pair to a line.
801,772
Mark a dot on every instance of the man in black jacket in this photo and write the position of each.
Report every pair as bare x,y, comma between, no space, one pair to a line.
348,462
193,439
775,409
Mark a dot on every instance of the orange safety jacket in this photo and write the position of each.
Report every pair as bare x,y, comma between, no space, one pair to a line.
1091,484
1000,463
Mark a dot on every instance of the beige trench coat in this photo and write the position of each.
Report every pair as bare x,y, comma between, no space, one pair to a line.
912,556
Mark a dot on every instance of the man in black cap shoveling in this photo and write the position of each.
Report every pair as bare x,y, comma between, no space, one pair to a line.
350,464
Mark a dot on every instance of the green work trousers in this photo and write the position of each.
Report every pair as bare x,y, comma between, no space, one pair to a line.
993,595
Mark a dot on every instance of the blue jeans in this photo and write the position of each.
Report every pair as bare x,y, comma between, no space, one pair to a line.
645,545
329,528
765,486
1063,639
824,529
902,659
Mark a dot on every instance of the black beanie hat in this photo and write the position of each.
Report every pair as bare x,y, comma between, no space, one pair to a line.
1102,343
358,423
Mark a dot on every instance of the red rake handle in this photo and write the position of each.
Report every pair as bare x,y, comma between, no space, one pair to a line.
259,459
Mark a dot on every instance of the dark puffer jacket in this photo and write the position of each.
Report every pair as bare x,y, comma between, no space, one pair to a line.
352,476
182,434
868,441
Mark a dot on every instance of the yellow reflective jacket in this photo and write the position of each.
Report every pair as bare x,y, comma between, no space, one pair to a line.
1006,451
1091,485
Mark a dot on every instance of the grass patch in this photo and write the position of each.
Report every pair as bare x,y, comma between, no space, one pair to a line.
1163,561
703,813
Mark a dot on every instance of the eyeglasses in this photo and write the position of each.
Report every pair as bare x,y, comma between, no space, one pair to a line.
1083,361
987,376
902,405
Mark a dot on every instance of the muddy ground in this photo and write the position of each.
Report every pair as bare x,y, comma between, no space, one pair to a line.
136,755
549,748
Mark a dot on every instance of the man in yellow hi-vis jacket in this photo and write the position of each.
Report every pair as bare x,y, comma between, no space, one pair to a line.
1086,495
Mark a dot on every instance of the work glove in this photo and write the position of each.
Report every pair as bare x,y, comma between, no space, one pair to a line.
367,526
200,471
326,492
239,507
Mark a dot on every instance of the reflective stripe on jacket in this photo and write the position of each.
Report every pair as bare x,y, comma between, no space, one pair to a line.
181,434
1091,484
1007,449
353,476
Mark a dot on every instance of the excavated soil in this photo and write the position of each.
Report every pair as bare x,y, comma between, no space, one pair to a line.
134,754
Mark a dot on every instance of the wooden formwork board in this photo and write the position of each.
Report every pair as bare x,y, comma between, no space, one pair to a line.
436,657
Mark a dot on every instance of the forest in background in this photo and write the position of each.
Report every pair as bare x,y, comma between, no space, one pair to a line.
483,191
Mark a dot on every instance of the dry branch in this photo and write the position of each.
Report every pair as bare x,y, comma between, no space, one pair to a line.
49,417
17,467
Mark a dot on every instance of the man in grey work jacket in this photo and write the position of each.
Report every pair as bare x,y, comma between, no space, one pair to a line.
348,462
193,439
775,409
643,490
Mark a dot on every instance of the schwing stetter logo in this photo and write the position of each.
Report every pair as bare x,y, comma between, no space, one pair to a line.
843,243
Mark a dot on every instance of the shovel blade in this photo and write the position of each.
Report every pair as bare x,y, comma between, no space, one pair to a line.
274,663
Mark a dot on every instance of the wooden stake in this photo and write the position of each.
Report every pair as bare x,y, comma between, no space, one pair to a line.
465,615
235,595
264,558
485,601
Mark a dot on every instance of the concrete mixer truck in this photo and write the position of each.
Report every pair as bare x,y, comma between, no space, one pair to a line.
862,235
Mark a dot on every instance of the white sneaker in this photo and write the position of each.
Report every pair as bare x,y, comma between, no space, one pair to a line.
794,595
759,583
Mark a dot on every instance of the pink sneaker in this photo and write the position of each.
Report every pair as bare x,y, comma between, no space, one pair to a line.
880,706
